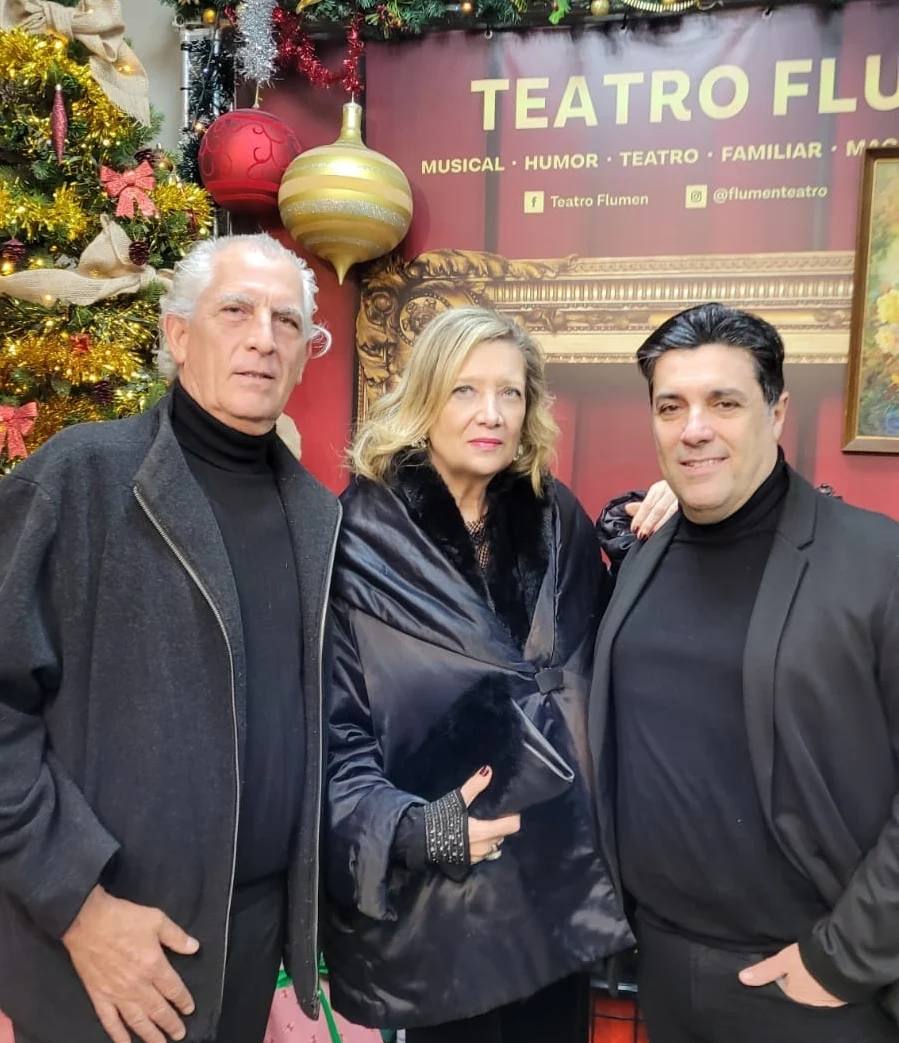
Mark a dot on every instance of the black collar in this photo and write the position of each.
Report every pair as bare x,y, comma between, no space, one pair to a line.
203,435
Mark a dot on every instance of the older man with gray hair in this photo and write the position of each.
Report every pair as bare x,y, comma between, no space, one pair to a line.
163,582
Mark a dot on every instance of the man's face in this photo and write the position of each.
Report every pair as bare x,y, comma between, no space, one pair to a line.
243,350
715,435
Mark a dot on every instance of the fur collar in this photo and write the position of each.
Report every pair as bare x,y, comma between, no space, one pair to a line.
518,531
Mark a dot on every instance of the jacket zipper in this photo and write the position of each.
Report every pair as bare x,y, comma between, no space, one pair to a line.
170,544
323,768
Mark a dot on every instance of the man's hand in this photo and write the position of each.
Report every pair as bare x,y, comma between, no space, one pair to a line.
117,949
485,836
651,513
787,969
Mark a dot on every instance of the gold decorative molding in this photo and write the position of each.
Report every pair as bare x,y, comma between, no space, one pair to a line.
598,309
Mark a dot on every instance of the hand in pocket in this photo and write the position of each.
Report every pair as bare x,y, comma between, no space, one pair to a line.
485,836
789,973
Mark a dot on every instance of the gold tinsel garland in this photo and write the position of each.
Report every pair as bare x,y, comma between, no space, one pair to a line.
110,349
63,219
33,63
181,197
54,354
59,411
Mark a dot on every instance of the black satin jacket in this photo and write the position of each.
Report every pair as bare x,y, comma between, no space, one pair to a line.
406,948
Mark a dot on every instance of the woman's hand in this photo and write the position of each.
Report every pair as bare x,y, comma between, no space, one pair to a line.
653,511
485,836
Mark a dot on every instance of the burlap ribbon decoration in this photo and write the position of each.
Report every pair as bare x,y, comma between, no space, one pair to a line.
99,27
104,270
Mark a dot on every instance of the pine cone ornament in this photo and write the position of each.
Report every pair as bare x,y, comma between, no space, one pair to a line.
103,392
139,253
13,250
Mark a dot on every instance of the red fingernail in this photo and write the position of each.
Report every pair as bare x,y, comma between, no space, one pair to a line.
484,771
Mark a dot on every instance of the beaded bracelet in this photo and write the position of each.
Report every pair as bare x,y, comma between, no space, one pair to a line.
446,830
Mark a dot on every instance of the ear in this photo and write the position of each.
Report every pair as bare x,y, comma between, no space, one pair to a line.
780,413
176,330
307,355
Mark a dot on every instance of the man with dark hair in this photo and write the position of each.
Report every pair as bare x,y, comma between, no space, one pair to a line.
745,712
162,621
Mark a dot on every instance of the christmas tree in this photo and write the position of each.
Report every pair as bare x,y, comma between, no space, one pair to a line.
90,219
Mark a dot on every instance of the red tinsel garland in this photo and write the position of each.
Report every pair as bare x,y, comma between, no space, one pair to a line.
296,51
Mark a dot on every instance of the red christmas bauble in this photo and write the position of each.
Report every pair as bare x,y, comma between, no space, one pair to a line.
242,158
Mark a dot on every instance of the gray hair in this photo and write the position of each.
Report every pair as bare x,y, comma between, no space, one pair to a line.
193,274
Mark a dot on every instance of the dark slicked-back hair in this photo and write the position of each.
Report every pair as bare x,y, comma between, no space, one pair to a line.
716,324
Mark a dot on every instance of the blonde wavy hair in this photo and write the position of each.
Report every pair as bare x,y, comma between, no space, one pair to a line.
402,418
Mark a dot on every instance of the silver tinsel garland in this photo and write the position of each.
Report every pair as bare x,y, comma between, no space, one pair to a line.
256,53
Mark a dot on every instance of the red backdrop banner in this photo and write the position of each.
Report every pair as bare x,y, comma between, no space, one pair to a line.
733,138
763,118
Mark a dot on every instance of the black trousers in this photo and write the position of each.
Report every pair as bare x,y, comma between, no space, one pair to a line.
255,944
690,993
557,1014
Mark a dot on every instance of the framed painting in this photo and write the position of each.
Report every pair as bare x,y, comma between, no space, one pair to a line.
595,309
871,423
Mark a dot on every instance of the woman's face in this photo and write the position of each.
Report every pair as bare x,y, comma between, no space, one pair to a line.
478,430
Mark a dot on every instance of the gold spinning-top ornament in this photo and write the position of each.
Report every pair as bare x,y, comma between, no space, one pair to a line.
345,202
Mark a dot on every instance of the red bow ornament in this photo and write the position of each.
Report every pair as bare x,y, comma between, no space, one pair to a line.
130,188
15,423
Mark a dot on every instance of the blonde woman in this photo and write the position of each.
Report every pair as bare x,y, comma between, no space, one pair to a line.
467,884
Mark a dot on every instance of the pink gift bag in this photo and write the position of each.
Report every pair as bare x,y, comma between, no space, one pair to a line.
288,1024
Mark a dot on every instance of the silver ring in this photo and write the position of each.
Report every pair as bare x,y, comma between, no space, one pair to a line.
493,855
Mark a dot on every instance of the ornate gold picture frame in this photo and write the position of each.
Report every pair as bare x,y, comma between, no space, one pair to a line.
871,418
596,310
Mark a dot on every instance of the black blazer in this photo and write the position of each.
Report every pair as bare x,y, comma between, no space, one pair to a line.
821,699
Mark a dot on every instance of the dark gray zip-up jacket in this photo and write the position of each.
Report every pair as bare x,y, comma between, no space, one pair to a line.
122,702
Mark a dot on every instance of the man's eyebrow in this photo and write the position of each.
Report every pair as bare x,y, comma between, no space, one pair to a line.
249,302
716,393
290,310
235,298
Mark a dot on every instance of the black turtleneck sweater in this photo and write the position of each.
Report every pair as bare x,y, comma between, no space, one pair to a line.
234,470
695,851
